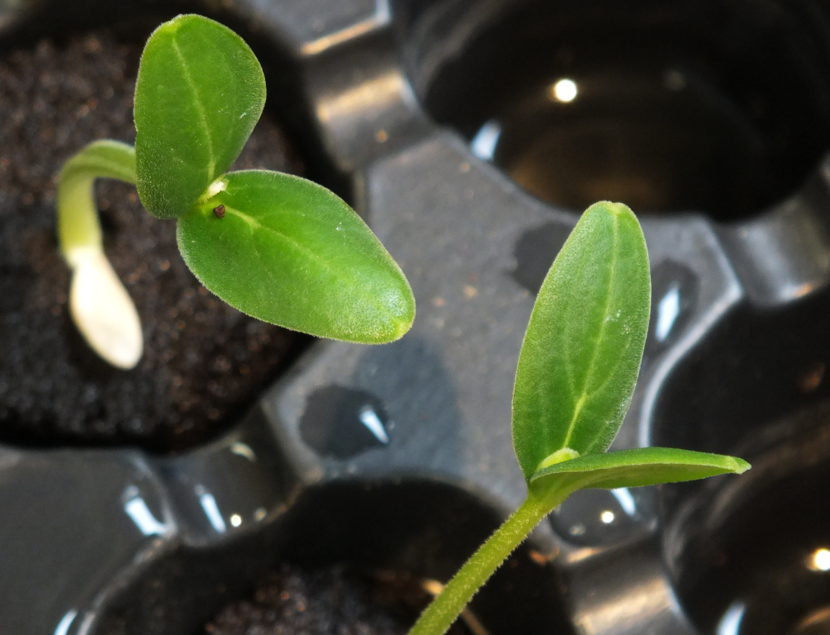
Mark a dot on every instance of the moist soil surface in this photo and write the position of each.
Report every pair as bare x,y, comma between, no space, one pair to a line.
336,601
203,362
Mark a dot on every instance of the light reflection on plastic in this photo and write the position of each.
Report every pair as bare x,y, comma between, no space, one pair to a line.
486,139
211,509
730,623
350,33
563,90
244,450
136,508
578,530
668,310
369,418
607,517
803,289
66,621
819,560
373,93
626,500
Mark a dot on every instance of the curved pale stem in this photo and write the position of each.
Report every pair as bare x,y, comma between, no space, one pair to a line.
447,606
98,302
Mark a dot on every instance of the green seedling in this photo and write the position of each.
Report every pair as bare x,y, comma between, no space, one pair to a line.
577,370
277,247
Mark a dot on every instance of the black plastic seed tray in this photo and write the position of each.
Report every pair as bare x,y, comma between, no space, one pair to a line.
470,134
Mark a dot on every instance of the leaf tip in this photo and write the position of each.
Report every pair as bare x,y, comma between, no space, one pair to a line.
177,22
610,207
739,465
401,322
403,326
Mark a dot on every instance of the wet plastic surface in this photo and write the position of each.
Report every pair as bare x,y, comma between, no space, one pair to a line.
400,456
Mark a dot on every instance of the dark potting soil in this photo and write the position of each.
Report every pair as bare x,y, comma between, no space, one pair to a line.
336,601
203,361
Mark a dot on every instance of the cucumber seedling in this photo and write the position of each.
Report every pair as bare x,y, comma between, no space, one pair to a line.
274,246
576,374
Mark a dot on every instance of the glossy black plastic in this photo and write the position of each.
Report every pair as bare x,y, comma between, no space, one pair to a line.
400,456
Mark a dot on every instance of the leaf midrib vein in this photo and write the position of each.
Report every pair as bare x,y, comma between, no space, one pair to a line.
580,403
337,273
201,115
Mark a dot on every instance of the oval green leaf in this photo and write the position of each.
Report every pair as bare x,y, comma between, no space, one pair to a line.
584,343
199,93
288,251
636,468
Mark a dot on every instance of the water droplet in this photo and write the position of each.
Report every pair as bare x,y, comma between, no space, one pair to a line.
207,501
486,140
598,517
730,621
141,514
674,294
341,422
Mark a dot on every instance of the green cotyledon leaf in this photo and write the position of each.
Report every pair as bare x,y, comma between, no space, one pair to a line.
635,468
200,92
581,353
288,251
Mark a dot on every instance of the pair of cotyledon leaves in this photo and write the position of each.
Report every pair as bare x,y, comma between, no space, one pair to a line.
290,252
275,246
579,364
576,375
